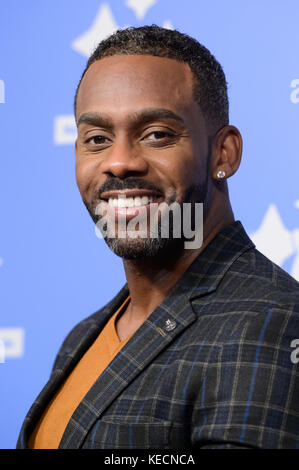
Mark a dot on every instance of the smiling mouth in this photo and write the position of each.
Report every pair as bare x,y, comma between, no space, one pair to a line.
131,198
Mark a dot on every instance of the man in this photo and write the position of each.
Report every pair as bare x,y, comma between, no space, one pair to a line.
195,350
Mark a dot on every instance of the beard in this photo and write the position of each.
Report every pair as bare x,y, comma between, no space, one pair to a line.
137,248
131,247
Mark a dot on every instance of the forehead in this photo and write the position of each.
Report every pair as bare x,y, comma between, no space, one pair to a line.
132,82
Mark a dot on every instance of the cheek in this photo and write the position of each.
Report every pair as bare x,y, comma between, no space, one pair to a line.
192,171
181,171
85,171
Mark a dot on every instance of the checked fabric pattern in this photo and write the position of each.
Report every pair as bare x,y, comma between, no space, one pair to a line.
221,378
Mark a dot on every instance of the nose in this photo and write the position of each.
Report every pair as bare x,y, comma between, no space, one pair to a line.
123,160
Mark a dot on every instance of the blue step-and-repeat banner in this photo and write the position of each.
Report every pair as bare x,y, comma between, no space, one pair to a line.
54,271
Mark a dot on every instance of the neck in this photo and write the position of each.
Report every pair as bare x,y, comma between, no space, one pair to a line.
151,279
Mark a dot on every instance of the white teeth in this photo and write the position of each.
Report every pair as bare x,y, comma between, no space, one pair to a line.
120,202
137,201
130,201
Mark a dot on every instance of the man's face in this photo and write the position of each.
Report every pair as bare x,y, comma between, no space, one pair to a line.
141,136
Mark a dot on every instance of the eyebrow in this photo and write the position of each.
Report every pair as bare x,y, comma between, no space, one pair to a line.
140,117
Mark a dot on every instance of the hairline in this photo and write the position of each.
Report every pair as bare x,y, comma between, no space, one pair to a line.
196,82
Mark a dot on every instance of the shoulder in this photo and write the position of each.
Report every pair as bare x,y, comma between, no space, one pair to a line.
255,284
255,303
268,299
253,319
257,273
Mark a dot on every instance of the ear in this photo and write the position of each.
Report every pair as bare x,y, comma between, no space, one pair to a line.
226,152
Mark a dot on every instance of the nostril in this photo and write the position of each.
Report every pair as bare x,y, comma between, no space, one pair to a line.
123,163
122,173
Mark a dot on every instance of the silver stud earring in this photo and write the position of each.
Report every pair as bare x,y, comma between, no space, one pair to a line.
221,174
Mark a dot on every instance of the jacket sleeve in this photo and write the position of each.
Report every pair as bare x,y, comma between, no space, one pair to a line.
250,397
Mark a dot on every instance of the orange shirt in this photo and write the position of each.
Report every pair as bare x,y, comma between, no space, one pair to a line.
51,426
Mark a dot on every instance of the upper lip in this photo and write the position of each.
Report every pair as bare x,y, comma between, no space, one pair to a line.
129,193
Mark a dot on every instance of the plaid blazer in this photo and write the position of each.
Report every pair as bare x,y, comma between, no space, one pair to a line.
211,367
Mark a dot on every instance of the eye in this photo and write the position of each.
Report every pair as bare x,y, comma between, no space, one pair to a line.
97,140
159,138
159,135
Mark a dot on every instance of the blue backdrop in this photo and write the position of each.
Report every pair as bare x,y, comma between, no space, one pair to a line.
54,271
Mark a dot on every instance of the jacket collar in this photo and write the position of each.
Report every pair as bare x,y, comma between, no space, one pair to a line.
209,268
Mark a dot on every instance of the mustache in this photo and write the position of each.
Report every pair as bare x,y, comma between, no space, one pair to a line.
129,183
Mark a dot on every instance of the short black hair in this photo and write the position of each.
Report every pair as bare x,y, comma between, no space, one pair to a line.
210,90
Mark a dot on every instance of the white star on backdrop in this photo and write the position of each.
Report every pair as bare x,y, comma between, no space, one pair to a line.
275,241
103,25
140,7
